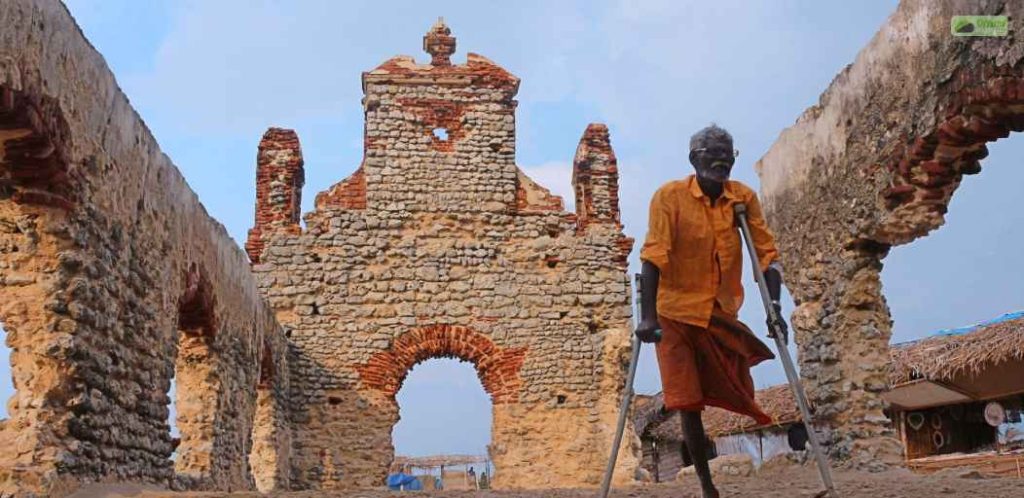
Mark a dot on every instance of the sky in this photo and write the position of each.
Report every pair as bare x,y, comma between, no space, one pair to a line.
209,77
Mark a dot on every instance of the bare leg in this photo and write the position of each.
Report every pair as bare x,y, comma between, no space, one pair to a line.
696,443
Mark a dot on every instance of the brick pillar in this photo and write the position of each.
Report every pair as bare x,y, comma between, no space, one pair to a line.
279,181
595,177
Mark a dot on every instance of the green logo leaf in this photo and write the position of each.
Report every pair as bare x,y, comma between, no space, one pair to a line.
980,26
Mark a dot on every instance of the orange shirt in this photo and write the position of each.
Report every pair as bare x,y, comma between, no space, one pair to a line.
698,249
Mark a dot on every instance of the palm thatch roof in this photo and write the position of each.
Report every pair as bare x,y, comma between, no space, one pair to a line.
777,401
427,462
952,353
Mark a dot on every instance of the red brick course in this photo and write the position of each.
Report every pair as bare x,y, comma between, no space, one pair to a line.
595,178
349,193
930,167
497,367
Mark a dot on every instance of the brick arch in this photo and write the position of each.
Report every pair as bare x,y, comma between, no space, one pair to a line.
197,379
497,367
929,168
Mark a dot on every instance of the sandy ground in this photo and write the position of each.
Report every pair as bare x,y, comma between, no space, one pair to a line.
787,482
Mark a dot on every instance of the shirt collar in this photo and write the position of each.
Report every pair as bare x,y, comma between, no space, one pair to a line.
728,191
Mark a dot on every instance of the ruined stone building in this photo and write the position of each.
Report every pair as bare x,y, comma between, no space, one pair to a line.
439,246
114,280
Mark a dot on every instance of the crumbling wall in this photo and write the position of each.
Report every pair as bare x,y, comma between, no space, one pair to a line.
872,165
439,246
113,280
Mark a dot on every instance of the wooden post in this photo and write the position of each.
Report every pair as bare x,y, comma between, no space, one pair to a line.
903,435
656,458
760,446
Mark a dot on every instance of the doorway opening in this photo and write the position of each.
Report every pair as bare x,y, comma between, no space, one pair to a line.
444,428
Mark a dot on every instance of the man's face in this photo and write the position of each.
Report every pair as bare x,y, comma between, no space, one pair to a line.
714,161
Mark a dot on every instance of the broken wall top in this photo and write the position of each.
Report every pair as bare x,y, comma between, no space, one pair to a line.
439,138
876,161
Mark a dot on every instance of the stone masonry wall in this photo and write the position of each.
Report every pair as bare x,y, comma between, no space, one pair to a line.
874,164
113,279
439,246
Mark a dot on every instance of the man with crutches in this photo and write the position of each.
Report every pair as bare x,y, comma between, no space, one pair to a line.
691,292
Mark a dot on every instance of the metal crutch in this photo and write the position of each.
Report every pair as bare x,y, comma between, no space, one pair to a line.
627,398
787,362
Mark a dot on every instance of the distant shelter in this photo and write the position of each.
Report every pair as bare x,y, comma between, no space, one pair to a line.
665,452
957,398
446,471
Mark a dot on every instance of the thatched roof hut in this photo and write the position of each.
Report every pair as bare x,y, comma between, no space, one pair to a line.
777,401
942,387
949,354
447,477
664,449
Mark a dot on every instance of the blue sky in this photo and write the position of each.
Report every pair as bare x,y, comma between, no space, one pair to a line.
210,77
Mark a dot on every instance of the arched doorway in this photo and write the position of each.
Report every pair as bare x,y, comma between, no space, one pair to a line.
497,368
445,419
195,384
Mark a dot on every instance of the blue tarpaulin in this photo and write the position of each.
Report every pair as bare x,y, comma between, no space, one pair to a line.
403,482
1016,315
963,330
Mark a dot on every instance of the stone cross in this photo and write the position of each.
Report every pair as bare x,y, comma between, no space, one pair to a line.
439,43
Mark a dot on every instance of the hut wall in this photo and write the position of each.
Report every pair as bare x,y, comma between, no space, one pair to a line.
455,479
761,445
947,429
734,444
773,444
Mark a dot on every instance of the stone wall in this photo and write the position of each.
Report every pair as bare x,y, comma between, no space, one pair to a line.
872,165
439,246
113,279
